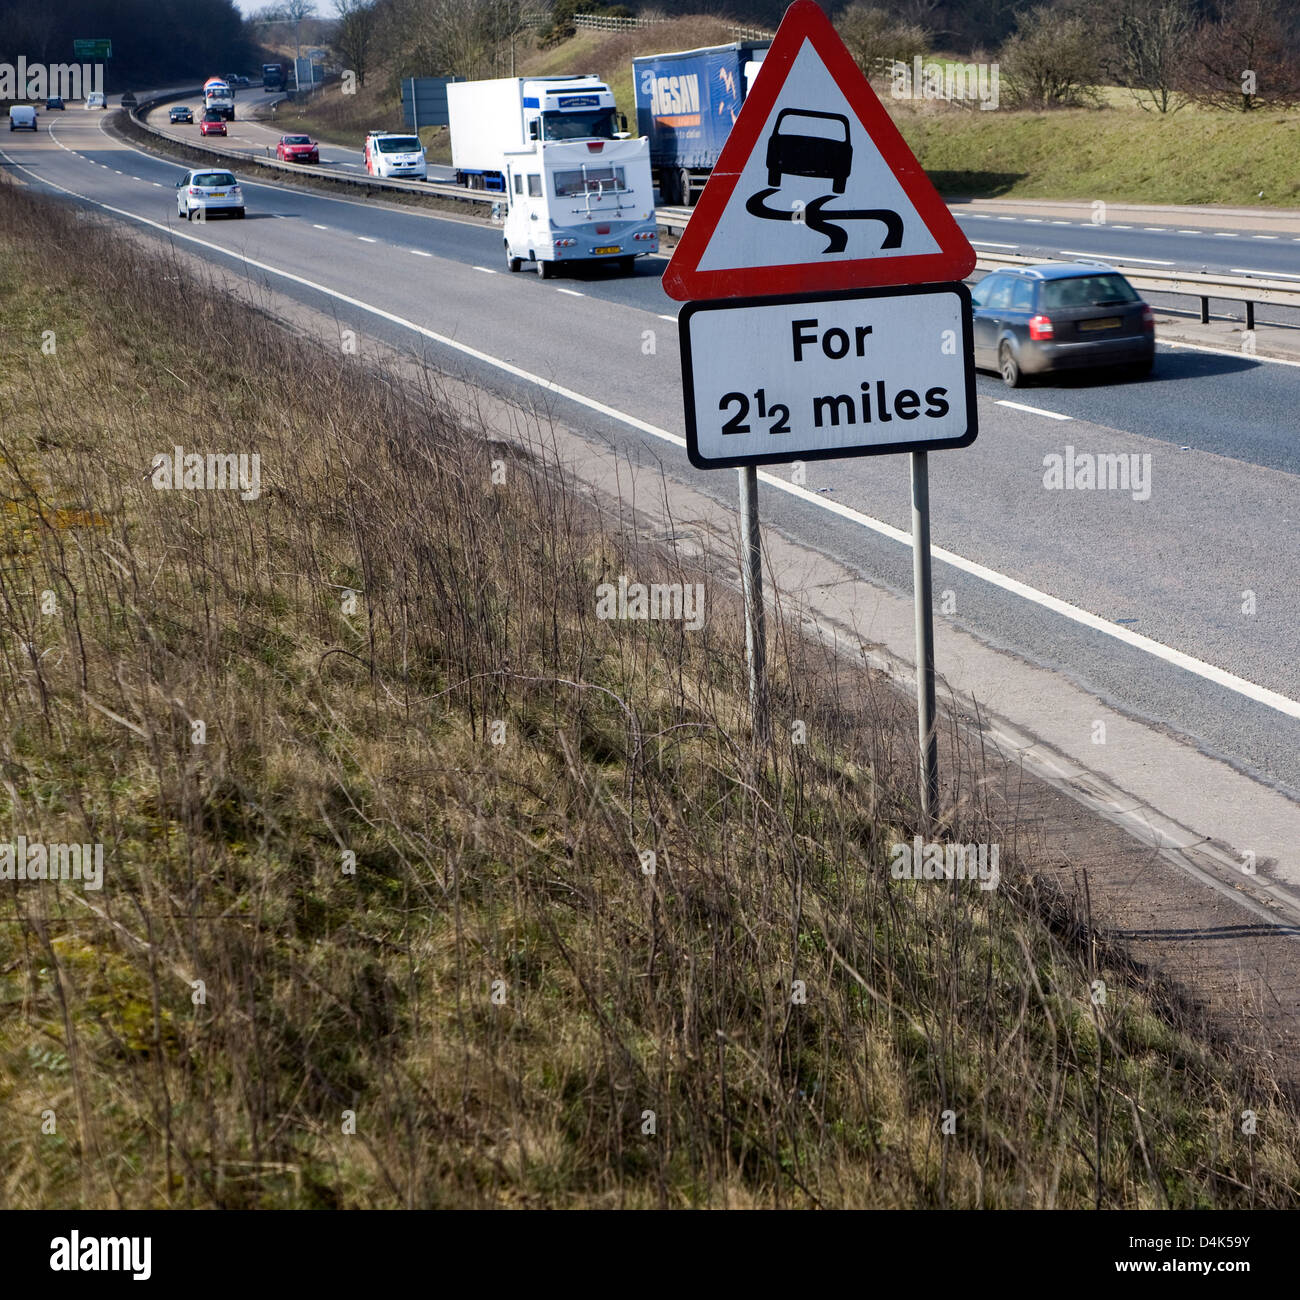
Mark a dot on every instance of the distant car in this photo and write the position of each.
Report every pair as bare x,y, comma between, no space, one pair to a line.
212,124
181,114
96,99
128,99
236,80
207,189
807,143
1061,316
22,117
297,148
55,102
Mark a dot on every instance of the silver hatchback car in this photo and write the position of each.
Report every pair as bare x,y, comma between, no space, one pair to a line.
208,189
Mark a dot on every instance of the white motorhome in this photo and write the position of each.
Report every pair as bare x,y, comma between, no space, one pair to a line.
578,187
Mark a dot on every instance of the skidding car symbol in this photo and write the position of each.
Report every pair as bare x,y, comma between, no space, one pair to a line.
792,154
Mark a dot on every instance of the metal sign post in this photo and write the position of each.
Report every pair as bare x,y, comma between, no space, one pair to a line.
825,312
921,592
751,575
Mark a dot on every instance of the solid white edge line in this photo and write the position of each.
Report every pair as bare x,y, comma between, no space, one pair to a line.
1034,410
985,243
1197,667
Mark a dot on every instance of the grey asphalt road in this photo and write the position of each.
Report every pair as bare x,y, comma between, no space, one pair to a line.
1204,566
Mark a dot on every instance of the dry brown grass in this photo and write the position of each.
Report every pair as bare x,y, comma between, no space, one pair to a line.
371,732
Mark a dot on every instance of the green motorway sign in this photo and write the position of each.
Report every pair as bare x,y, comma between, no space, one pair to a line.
93,49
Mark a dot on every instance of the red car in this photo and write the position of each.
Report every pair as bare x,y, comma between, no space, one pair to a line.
297,148
212,124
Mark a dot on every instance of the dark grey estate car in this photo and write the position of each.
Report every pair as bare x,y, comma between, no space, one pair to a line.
1062,316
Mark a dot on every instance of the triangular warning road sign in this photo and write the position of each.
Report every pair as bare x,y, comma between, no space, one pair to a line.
815,189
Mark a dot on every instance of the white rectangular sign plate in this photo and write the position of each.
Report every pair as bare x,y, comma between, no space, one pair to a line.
816,376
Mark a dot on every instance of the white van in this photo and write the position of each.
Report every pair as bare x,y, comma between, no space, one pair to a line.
95,99
398,156
22,117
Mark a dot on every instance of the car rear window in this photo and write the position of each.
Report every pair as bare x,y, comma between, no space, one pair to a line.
1087,291
214,178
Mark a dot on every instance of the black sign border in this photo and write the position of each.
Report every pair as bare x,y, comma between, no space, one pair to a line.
691,309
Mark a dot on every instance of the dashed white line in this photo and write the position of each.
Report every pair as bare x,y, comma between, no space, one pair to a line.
487,270
1225,234
573,293
1189,232
419,252
1062,223
1277,275
1263,236
366,239
1033,410
1116,257
314,226
1158,230
671,318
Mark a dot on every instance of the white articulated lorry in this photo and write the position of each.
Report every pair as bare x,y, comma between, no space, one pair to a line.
578,188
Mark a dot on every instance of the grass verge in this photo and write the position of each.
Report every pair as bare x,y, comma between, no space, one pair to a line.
377,792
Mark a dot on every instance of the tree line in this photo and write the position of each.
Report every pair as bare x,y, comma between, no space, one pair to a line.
154,41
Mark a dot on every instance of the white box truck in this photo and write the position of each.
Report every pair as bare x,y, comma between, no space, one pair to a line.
577,186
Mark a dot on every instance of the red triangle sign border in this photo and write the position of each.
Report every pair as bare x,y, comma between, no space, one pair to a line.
683,280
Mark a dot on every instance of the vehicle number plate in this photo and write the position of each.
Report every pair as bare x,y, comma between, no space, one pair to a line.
613,248
1108,323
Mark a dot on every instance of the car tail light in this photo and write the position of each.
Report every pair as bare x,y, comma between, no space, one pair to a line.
646,234
1040,327
194,189
565,243
1148,317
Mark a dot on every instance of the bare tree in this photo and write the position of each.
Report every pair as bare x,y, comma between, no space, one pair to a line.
874,36
1053,60
355,33
1245,59
1150,47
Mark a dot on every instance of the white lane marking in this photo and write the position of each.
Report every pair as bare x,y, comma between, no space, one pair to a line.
985,243
1277,275
314,226
1224,234
1189,232
1263,236
1121,227
1159,230
1062,223
1033,410
1116,257
487,270
366,239
573,293
1033,221
671,318
1227,352
1008,218
419,252
1198,667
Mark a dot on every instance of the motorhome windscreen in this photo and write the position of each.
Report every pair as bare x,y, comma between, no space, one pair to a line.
589,180
594,124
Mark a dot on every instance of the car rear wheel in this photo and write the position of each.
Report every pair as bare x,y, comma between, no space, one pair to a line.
1009,367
